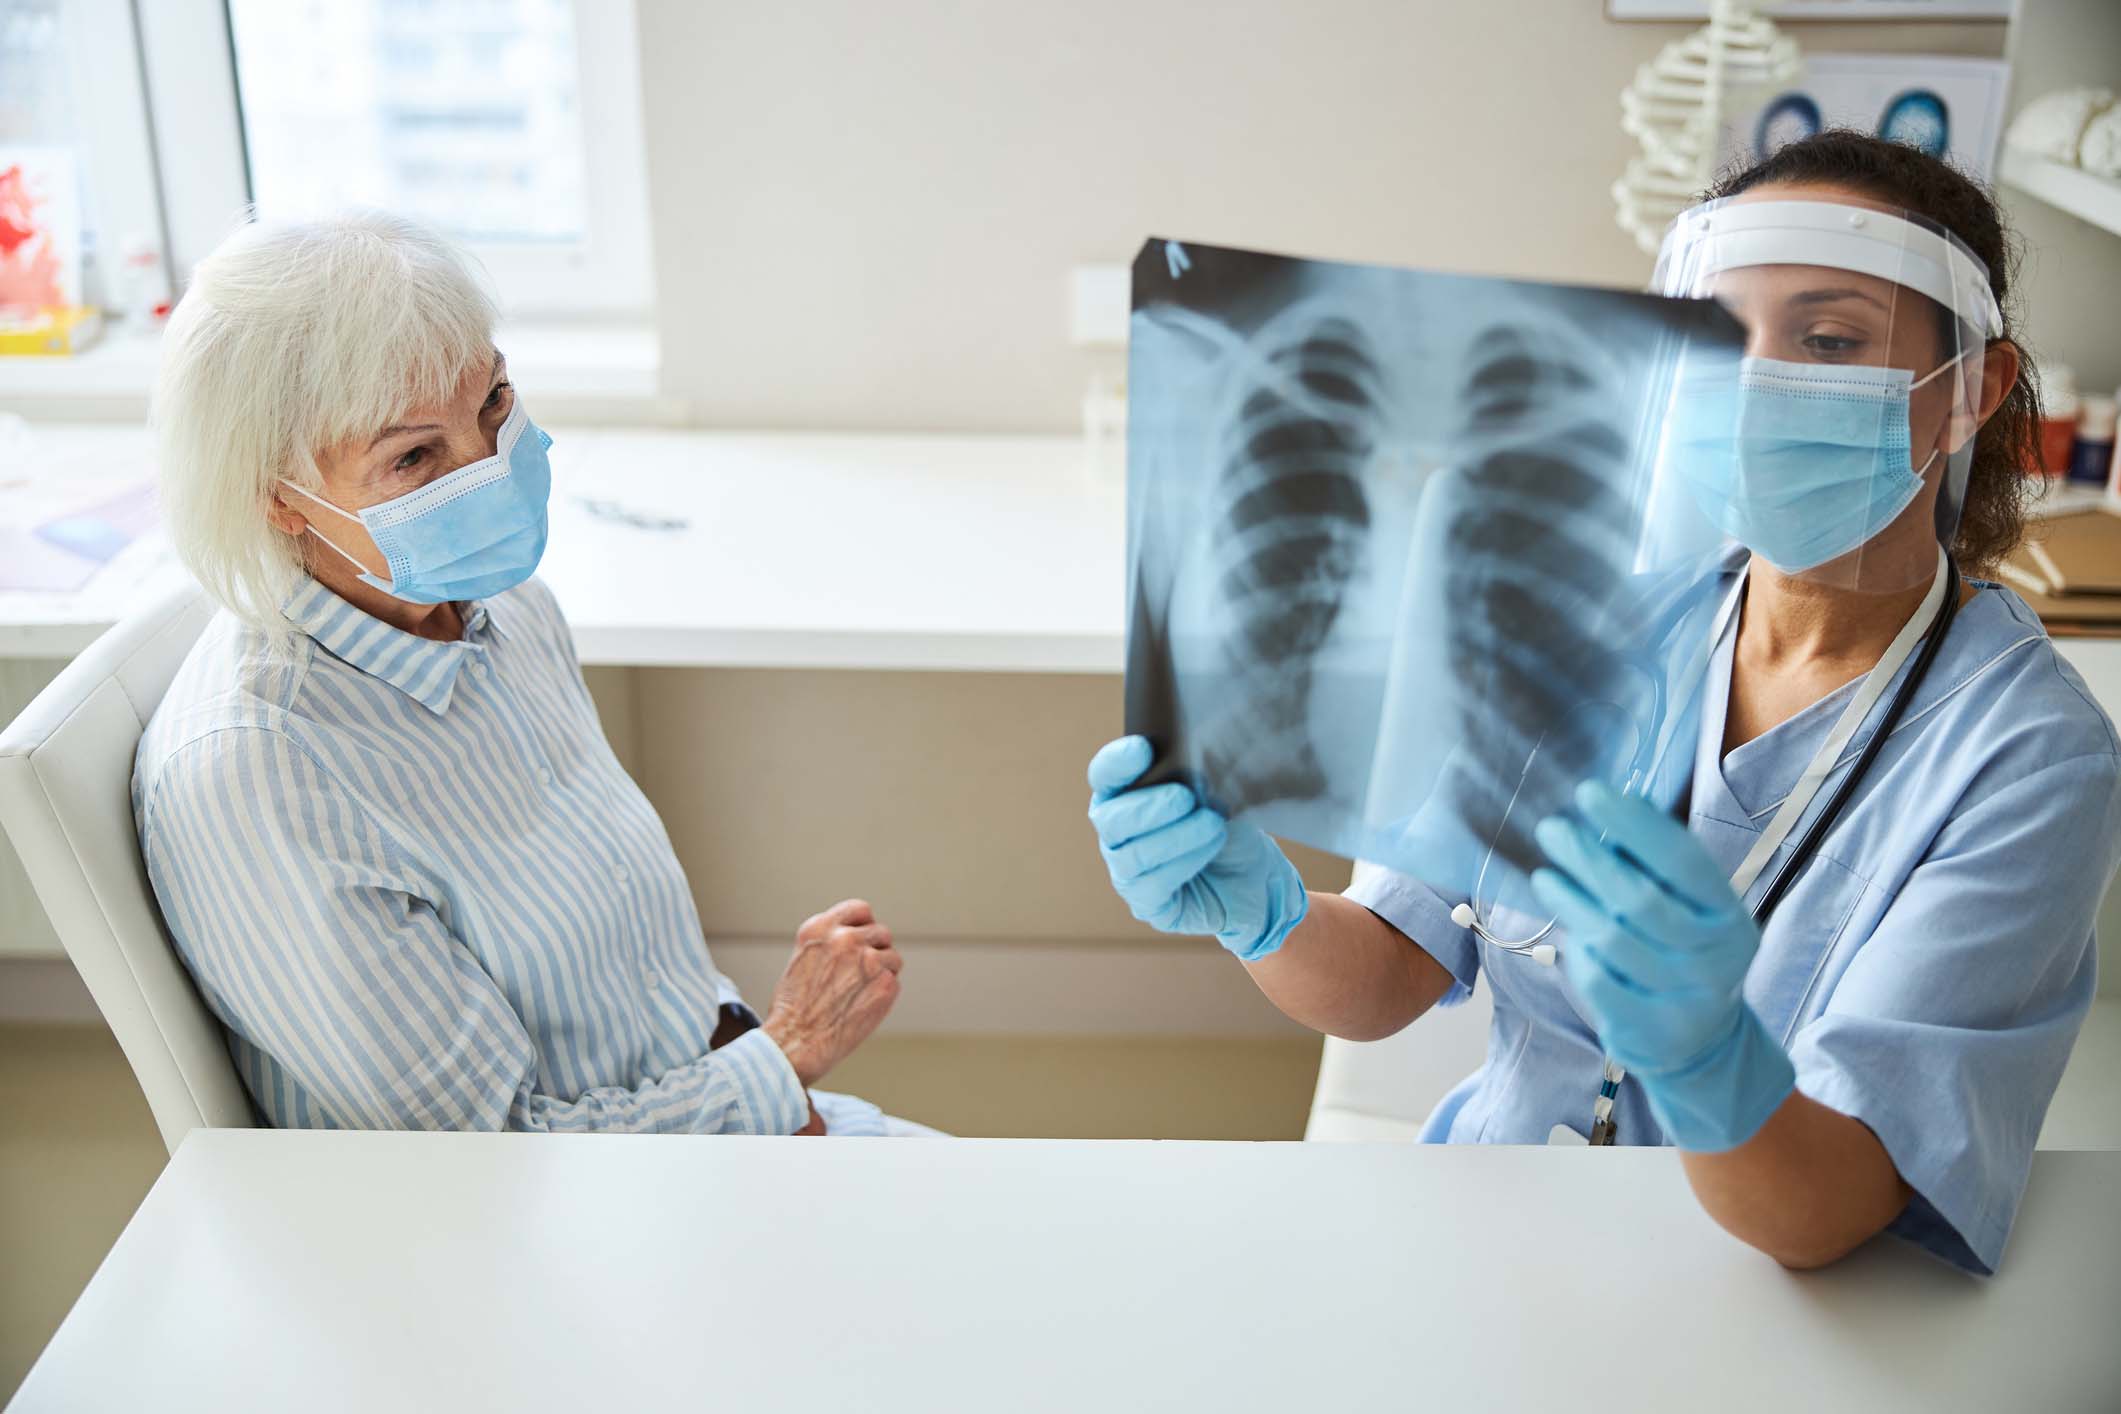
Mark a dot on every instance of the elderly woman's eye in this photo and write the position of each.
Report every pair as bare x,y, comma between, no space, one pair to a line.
499,395
409,460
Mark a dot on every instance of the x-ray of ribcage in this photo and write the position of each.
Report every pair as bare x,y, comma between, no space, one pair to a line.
1291,535
1403,566
1541,535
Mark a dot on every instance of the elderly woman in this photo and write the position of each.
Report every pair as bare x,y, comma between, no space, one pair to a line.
388,835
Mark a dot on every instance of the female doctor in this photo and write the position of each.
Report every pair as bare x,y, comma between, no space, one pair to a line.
1846,985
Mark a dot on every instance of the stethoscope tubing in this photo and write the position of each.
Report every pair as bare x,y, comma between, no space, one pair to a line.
1814,833
1807,845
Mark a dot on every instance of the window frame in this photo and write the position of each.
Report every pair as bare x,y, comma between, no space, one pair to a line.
187,52
116,171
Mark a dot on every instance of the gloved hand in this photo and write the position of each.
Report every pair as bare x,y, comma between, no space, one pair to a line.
1658,946
1183,868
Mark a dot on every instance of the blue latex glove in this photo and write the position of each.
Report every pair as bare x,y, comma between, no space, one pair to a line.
1183,868
1658,946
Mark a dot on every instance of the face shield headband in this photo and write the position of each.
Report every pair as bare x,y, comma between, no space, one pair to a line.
1731,235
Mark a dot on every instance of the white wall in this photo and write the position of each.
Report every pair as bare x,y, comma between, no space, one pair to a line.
865,213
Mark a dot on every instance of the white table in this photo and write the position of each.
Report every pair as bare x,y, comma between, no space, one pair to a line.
815,551
322,1271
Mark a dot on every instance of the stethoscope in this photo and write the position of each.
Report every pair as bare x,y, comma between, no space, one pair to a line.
1648,663
1939,605
1944,590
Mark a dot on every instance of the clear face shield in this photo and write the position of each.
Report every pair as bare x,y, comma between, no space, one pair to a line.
1838,449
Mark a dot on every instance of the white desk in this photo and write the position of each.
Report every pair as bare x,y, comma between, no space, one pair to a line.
329,1272
816,551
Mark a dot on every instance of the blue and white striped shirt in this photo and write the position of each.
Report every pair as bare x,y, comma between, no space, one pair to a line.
420,892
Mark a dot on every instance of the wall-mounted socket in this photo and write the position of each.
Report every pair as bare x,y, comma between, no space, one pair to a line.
1099,300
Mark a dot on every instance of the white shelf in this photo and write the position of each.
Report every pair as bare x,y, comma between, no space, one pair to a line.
2082,194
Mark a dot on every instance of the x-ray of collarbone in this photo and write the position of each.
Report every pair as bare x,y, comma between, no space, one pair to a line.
1395,544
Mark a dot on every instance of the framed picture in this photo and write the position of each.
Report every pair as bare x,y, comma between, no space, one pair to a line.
1946,105
40,232
1820,9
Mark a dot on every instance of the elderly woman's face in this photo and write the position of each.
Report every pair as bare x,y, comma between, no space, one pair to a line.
392,461
429,443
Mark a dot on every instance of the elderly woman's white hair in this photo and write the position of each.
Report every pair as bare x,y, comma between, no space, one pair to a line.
293,339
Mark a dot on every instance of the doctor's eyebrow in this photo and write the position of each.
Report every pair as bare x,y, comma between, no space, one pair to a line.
1834,295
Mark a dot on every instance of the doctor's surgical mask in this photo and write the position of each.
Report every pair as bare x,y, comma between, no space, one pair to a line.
472,533
1799,462
1804,454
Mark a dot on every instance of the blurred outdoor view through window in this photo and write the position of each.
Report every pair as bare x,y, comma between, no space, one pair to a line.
464,114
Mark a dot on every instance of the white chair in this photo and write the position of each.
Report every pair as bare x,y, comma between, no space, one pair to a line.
65,797
1385,1089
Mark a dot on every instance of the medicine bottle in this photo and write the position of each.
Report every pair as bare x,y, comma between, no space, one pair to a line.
2092,461
2058,417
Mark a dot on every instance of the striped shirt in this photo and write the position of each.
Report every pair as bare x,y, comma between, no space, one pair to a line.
419,891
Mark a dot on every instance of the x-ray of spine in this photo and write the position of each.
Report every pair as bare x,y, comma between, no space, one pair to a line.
1290,541
1403,564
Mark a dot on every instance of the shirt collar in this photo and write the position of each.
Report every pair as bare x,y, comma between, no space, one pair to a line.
422,668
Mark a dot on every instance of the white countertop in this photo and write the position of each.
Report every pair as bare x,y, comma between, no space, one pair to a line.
336,1271
972,553
967,553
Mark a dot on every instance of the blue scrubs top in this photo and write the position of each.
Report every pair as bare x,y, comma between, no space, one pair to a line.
1927,972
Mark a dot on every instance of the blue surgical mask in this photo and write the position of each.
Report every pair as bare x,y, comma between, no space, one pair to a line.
1799,462
470,534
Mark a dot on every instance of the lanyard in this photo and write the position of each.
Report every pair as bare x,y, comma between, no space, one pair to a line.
1924,627
1821,765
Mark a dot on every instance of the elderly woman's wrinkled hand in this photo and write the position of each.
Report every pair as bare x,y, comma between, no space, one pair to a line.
838,987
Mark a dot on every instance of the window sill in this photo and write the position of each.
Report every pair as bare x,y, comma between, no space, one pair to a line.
585,373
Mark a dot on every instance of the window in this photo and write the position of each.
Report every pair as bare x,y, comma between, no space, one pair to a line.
513,125
60,100
465,115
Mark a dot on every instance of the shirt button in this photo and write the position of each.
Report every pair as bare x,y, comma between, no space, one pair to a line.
544,776
618,873
654,980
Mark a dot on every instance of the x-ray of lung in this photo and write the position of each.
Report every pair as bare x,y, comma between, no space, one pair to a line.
1404,567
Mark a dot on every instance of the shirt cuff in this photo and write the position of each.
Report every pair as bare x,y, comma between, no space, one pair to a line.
770,1099
848,1116
1424,916
1949,1216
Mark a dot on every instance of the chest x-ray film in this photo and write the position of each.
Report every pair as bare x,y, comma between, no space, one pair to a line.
1405,564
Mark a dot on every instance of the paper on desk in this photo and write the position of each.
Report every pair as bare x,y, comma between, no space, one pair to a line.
100,531
54,538
30,563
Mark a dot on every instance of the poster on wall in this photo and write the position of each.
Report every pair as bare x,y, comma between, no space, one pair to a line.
40,233
1948,106
1406,560
1820,9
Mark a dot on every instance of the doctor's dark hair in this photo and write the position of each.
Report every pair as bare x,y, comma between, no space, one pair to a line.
1997,487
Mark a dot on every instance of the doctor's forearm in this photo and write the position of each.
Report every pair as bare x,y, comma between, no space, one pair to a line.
1812,1186
1348,973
